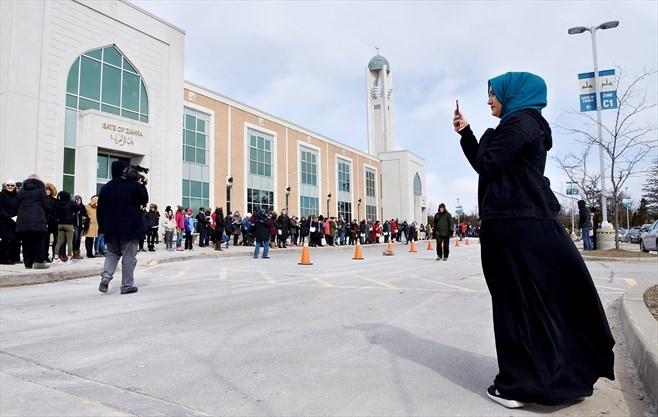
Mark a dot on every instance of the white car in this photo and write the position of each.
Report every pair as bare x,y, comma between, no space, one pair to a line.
649,239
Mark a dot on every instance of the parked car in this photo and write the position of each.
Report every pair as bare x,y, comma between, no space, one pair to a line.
649,239
633,235
621,233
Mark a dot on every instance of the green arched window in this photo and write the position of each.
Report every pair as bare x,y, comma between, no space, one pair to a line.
103,79
418,187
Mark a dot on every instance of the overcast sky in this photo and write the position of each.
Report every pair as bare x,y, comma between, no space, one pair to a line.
305,62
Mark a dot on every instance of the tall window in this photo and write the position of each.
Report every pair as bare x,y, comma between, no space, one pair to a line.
260,155
101,79
260,178
371,212
344,195
344,175
371,195
418,188
308,206
309,200
196,171
259,199
309,168
370,183
345,211
195,137
195,194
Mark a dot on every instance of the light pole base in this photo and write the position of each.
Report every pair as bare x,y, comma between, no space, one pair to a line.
605,238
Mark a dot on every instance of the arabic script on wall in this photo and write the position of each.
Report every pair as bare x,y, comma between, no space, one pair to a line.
121,135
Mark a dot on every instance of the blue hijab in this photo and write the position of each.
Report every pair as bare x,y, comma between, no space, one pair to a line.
518,91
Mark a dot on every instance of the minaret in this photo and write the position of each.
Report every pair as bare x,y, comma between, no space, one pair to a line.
379,93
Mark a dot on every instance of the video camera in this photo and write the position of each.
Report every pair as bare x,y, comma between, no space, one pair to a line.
134,172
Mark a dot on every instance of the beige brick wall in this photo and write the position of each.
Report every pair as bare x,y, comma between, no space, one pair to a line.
287,169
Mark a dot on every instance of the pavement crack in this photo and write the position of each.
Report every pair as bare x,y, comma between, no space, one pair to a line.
114,400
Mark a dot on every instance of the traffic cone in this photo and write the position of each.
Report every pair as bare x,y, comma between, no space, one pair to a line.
412,247
457,242
357,252
389,251
429,244
306,256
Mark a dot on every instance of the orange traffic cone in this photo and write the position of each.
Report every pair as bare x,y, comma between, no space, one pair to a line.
457,242
429,244
306,256
357,252
412,247
389,251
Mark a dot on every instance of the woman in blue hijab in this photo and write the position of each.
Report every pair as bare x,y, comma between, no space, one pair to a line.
553,341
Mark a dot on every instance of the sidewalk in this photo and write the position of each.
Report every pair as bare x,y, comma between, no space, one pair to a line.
12,275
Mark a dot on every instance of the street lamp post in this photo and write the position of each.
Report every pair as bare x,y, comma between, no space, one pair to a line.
628,222
328,199
592,30
287,197
358,210
570,193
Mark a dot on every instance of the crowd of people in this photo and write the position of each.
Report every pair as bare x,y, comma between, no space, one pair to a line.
50,226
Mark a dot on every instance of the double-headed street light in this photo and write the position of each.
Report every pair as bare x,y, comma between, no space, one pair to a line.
592,30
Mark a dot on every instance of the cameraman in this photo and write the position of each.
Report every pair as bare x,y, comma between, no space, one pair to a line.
120,219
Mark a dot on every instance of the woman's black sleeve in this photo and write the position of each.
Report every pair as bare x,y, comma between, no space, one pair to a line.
469,146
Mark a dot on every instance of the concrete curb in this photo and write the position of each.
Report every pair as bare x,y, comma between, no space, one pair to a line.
641,333
15,280
603,258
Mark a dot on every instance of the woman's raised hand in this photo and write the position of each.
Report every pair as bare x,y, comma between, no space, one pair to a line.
459,121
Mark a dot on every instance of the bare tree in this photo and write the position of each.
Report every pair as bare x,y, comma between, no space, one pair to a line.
628,140
575,168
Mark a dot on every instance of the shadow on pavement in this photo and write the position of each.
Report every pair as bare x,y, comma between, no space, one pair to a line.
469,370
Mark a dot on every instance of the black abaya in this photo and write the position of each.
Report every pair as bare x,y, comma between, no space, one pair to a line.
552,336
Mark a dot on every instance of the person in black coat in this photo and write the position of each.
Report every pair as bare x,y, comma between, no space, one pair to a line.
51,217
585,224
79,214
262,224
201,226
219,227
8,211
553,341
31,223
120,220
153,219
283,226
64,213
146,227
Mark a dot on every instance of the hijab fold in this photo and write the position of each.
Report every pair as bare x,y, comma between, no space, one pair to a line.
518,91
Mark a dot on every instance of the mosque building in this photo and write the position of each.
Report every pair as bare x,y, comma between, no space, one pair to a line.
86,83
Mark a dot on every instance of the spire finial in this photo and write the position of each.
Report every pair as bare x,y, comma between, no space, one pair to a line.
377,48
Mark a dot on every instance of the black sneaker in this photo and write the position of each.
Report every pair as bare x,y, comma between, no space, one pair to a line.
494,395
445,259
103,285
128,290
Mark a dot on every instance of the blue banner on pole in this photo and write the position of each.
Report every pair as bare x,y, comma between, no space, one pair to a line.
607,91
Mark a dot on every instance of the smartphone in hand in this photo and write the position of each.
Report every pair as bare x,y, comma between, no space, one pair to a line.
456,107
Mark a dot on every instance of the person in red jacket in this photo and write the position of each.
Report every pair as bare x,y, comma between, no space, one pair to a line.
394,230
180,227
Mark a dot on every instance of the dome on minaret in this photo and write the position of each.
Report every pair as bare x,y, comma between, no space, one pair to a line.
377,62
